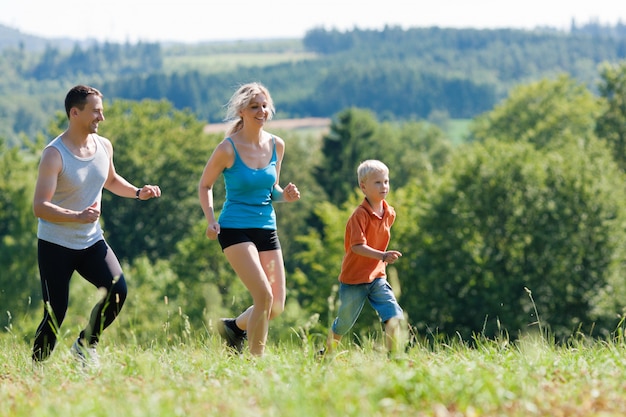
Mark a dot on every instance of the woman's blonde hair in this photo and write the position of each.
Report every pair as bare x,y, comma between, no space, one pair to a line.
241,99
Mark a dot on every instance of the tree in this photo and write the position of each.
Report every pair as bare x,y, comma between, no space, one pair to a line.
414,151
611,124
351,139
319,261
506,217
534,202
302,156
19,283
547,113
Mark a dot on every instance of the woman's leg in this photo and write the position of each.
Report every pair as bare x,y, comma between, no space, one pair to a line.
245,260
274,267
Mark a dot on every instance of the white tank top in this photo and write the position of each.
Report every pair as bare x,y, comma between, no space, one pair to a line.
79,185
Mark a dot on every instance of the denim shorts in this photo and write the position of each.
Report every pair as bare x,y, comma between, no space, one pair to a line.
352,299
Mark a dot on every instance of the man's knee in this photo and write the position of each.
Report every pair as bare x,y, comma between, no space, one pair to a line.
119,291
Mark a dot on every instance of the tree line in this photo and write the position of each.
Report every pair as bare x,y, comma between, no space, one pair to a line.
402,74
399,74
526,217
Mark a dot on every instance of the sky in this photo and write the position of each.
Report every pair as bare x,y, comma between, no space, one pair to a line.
210,20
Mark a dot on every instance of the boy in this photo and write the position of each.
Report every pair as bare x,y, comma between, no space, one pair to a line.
363,273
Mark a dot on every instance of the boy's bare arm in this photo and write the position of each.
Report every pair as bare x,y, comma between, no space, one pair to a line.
389,256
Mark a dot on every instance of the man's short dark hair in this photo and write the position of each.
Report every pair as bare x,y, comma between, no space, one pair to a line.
77,97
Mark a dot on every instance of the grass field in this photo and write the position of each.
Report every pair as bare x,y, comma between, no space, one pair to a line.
223,62
201,378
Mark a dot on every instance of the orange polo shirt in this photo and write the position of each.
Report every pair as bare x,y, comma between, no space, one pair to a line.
365,227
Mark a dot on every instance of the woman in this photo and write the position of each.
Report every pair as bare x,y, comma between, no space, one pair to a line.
250,160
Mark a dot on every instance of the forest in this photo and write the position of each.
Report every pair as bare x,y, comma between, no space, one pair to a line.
399,74
519,227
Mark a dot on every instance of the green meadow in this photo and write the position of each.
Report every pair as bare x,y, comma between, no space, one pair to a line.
229,61
200,377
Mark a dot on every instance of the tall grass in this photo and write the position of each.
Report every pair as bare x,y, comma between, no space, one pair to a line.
200,377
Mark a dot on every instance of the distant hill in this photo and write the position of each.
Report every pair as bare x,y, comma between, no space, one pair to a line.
398,74
14,38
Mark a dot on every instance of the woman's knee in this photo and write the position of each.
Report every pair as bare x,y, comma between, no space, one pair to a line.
276,310
264,300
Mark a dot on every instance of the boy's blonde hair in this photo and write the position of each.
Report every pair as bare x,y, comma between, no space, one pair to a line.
367,167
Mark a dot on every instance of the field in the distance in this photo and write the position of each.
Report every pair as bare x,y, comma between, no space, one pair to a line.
229,62
217,57
456,130
317,123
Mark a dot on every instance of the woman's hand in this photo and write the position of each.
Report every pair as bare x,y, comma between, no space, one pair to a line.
212,230
291,193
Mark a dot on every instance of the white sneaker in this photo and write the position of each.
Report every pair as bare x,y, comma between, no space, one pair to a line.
38,367
87,356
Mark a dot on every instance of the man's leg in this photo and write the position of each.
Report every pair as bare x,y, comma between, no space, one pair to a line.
101,268
55,269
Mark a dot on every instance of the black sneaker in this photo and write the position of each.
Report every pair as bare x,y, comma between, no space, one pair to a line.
320,354
234,336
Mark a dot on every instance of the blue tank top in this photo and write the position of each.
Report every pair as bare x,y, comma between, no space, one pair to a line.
249,195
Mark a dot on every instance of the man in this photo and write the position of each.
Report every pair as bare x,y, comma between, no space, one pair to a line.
73,170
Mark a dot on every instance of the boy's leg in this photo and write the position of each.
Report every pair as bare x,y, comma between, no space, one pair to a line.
351,301
384,301
392,335
333,341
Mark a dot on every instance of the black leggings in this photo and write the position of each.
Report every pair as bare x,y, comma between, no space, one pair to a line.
98,265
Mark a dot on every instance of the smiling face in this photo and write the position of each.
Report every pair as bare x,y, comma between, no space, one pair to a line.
375,186
257,111
90,115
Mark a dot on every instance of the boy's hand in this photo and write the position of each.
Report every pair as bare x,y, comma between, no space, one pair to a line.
391,256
